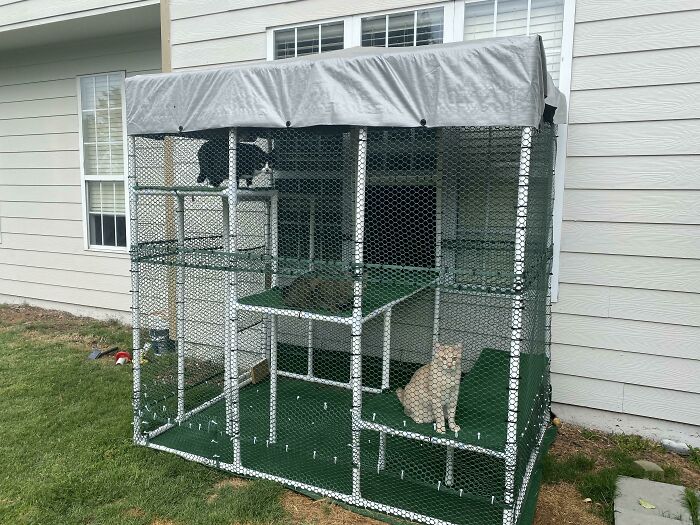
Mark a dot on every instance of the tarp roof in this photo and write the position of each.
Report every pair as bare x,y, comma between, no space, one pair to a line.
492,82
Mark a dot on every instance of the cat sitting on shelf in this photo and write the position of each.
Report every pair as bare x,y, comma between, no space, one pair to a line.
251,159
431,394
316,293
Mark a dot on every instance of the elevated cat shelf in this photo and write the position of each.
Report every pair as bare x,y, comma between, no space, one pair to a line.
377,298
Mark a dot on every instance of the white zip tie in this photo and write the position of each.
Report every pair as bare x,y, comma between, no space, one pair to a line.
478,435
402,474
439,482
314,454
286,448
335,459
254,440
325,406
460,492
374,416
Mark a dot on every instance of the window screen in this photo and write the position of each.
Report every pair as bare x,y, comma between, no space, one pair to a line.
408,28
513,17
107,213
309,40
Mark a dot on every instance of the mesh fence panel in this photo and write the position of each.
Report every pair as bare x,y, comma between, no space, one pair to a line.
360,313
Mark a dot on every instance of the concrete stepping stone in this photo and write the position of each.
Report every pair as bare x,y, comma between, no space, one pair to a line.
668,500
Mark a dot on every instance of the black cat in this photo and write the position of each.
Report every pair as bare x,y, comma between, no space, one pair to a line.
213,161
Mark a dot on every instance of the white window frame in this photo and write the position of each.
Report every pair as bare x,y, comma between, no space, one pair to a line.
84,179
271,33
449,20
454,32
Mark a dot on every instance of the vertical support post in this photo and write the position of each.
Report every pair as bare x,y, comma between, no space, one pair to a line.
267,278
438,234
517,305
310,349
273,378
227,310
273,321
356,326
312,254
135,317
386,363
231,343
449,466
381,463
386,349
180,306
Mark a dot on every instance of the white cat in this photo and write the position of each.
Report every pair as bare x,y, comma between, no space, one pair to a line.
431,394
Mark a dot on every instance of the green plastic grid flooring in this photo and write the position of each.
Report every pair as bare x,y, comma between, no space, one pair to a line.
314,418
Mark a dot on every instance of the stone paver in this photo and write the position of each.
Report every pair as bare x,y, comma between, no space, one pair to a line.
668,500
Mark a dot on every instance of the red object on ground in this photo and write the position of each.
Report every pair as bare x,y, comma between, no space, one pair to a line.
119,355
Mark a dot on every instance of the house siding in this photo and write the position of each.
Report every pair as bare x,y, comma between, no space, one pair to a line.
42,252
24,13
626,328
211,32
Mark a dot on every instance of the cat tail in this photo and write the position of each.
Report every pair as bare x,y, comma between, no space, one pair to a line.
399,394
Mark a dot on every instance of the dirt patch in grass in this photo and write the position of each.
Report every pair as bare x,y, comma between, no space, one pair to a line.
562,503
228,482
134,512
321,512
51,326
606,451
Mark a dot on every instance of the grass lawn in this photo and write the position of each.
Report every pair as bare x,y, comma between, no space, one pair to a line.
66,455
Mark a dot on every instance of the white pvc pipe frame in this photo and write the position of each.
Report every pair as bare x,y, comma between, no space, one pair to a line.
232,382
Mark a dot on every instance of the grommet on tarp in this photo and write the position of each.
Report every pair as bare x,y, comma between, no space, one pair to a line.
180,128
423,122
288,124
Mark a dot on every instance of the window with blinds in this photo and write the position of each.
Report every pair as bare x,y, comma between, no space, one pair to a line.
107,213
408,28
102,150
309,39
487,18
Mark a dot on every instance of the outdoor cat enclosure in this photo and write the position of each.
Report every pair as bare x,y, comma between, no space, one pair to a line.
355,212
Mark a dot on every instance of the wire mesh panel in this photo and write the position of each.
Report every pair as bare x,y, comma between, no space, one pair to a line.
358,312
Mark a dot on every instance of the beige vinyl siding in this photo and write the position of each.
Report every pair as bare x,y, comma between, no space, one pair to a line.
42,250
210,32
626,328
22,13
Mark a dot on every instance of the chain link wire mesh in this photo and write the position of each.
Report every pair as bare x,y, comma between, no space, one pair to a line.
363,313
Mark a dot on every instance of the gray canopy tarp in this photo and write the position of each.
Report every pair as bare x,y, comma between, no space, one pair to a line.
491,82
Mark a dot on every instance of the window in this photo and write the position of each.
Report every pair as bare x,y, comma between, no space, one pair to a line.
102,152
309,40
487,18
408,28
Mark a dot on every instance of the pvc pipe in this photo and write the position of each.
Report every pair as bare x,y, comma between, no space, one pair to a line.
356,326
511,451
180,308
